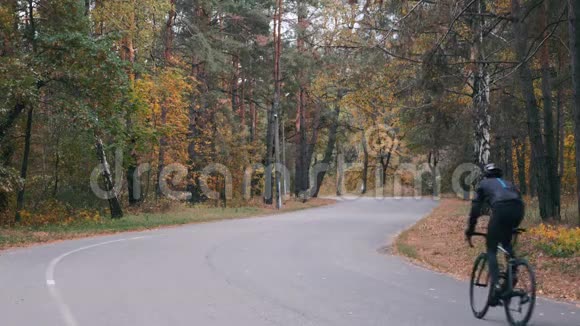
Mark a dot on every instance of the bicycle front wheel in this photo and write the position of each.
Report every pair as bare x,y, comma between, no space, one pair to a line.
519,304
479,287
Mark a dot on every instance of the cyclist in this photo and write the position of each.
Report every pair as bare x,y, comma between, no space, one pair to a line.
507,212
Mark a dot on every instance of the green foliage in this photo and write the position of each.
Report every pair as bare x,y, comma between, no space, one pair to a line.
10,182
62,16
17,82
9,179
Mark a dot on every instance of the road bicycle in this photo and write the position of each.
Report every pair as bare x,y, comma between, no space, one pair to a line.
517,282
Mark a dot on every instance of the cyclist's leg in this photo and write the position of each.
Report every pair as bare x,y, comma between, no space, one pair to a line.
506,243
514,218
492,260
493,239
513,214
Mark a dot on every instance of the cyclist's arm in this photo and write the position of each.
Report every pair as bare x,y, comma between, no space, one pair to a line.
476,206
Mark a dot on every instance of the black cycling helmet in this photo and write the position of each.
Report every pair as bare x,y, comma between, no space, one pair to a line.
491,171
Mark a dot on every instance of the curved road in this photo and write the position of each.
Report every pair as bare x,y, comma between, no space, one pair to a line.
321,266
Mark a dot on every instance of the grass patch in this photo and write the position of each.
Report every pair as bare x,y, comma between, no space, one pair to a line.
407,250
26,235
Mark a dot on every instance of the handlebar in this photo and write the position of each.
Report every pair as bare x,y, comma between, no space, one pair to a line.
515,232
475,234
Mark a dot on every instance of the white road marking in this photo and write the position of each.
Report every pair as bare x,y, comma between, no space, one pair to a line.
64,309
67,316
54,262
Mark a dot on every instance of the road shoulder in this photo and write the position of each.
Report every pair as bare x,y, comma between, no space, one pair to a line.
437,242
25,236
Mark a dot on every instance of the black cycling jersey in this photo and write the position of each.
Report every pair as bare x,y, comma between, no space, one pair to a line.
492,191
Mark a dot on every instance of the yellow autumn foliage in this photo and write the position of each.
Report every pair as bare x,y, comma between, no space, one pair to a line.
557,241
54,212
168,90
569,175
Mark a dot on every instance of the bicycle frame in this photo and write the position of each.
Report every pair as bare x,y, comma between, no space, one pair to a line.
510,258
510,277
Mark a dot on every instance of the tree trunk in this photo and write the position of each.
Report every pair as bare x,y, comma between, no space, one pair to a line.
509,164
128,54
365,171
273,116
481,89
330,145
279,174
574,25
482,147
521,161
561,135
302,159
286,172
235,83
253,114
548,207
24,168
268,193
169,35
533,176
552,172
192,182
10,119
168,57
31,28
385,162
560,129
114,204
339,172
132,181
162,145
56,167
243,104
198,102
315,125
433,163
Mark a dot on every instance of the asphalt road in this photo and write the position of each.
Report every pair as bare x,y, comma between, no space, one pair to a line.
321,266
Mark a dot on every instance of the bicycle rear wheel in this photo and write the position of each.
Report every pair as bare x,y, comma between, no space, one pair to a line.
479,287
519,304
